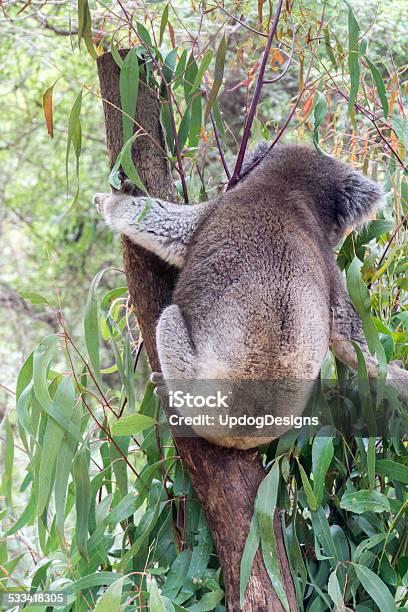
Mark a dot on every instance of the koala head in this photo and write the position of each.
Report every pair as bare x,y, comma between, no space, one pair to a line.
340,196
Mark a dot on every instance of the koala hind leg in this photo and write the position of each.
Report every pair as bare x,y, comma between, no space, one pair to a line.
176,352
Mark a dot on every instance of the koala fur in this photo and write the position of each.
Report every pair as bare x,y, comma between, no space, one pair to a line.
259,295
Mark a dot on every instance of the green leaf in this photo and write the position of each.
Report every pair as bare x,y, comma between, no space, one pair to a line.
311,500
322,533
379,83
146,210
361,299
400,125
91,580
353,57
131,425
365,500
333,588
91,325
34,298
184,127
376,588
392,470
403,317
80,472
169,65
128,166
322,455
74,138
8,463
110,600
218,77
208,602
265,506
42,358
63,469
201,70
64,401
167,126
129,87
163,23
328,46
195,121
116,55
320,113
156,603
85,27
144,34
251,546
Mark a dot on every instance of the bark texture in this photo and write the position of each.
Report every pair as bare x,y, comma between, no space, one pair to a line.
226,480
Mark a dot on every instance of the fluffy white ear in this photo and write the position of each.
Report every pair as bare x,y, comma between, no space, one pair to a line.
357,199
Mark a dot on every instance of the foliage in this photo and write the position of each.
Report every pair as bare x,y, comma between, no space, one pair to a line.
97,503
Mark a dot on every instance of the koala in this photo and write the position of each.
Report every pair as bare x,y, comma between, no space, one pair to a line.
259,296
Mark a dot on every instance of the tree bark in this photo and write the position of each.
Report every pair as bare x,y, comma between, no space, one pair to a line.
226,480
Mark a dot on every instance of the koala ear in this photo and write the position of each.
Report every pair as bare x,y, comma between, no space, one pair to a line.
357,198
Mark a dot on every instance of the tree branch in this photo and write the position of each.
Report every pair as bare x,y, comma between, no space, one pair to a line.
224,479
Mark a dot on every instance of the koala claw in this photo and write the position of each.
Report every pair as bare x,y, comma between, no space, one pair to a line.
99,200
158,379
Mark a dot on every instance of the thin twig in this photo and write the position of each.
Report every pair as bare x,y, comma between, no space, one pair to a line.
255,99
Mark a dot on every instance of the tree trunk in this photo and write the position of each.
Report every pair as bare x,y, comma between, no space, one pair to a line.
226,480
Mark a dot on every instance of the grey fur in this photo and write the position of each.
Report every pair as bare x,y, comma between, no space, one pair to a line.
259,295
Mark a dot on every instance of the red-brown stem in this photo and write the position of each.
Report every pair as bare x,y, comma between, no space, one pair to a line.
255,99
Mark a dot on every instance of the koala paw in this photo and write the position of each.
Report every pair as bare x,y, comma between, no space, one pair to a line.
99,201
161,389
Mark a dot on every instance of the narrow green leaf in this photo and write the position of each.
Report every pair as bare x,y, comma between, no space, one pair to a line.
353,57
168,127
251,546
116,55
131,425
91,325
74,135
87,30
144,34
265,506
146,210
169,65
64,401
42,358
205,62
322,455
129,87
323,535
376,588
8,463
34,298
110,600
379,83
361,299
328,46
184,128
194,135
80,472
91,580
163,23
128,166
311,500
320,113
218,77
